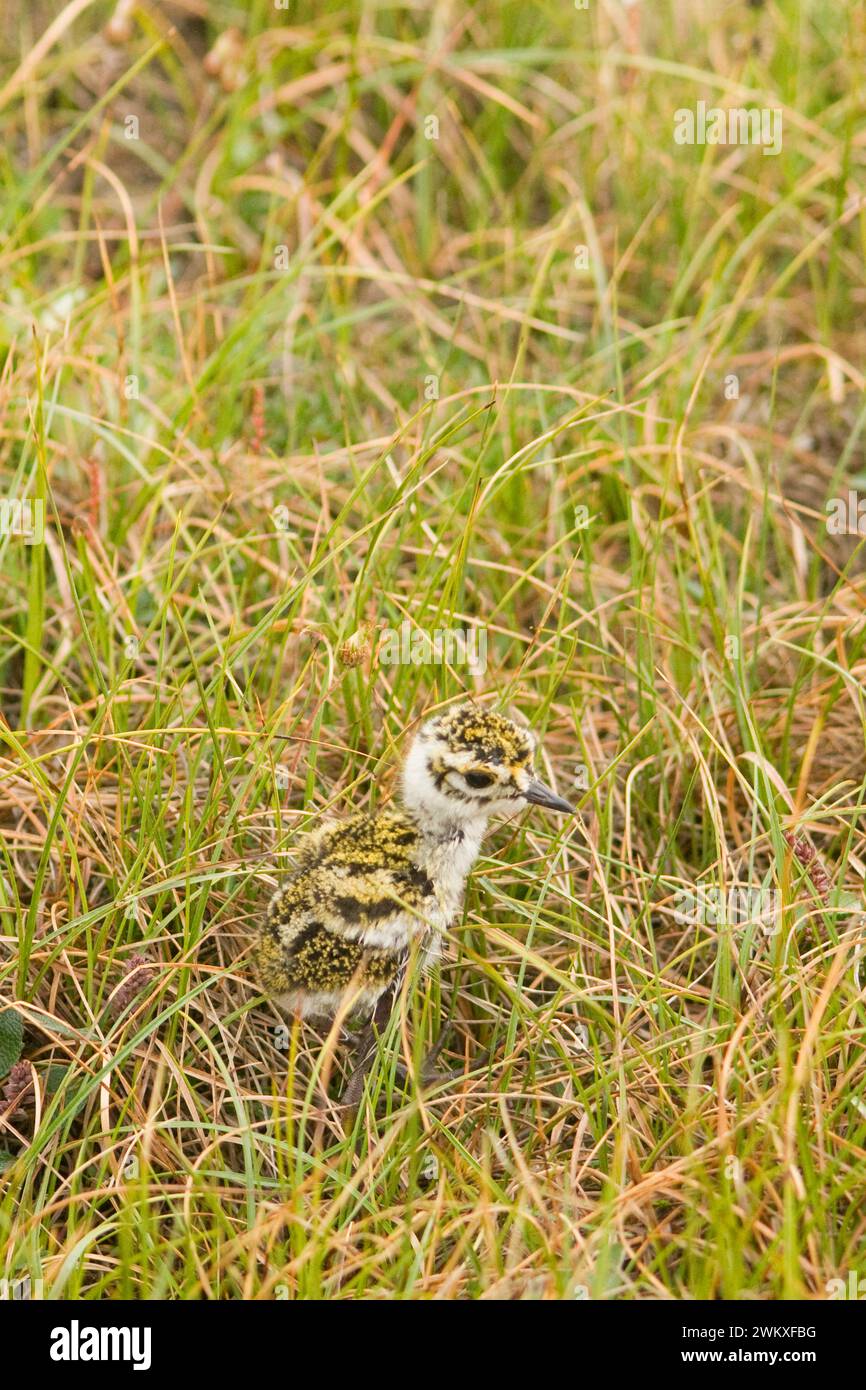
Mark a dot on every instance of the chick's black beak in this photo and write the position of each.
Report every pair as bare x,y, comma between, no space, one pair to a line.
540,795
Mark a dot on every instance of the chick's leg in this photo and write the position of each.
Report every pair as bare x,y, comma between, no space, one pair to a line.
368,1041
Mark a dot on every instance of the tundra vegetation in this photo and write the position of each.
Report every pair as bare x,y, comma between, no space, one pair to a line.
322,319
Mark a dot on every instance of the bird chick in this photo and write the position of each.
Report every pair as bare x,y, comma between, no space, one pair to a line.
340,931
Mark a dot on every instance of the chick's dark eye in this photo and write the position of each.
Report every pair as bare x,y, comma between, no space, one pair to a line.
478,779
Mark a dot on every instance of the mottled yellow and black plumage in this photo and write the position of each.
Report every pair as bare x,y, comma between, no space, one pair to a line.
367,888
341,920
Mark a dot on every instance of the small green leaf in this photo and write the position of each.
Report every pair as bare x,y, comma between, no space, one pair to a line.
11,1040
